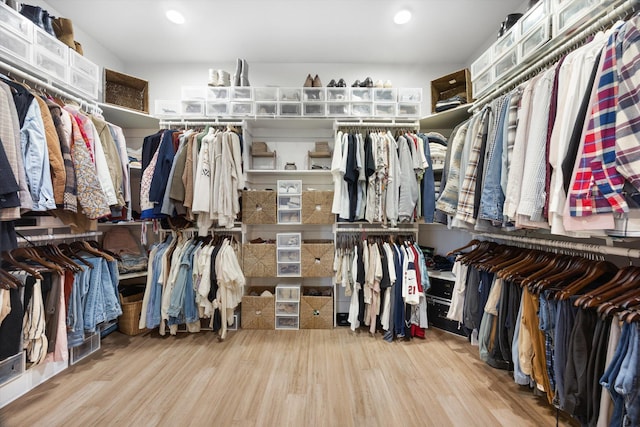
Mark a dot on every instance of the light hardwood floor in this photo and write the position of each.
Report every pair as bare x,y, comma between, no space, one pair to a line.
281,378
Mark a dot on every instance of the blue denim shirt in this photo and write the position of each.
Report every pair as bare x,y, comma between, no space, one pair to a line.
428,184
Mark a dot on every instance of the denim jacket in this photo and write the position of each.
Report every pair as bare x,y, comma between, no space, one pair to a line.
36,159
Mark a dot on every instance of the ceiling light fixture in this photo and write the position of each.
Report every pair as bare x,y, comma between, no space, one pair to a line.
402,17
175,17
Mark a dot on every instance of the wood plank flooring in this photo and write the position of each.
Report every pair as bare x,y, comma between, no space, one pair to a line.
281,378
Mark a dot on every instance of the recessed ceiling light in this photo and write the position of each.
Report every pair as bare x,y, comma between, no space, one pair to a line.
175,17
402,17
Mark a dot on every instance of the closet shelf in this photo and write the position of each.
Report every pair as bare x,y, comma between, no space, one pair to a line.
288,172
445,119
443,275
128,118
133,275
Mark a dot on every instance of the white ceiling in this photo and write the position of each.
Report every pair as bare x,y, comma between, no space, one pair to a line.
290,31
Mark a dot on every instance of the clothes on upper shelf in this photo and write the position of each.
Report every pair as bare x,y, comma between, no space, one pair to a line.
387,283
57,158
385,179
189,280
559,152
558,323
197,174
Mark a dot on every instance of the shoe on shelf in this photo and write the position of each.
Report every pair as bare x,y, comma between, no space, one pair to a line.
357,83
341,83
236,76
224,78
47,23
332,83
388,84
213,77
378,84
367,82
244,76
308,82
316,81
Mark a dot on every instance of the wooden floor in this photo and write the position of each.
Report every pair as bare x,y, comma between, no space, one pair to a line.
281,378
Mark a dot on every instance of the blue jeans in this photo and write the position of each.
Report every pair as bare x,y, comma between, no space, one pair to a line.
176,307
627,382
75,321
155,297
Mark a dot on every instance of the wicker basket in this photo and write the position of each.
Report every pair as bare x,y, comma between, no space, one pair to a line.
131,311
317,259
316,207
316,312
259,260
258,312
126,91
259,207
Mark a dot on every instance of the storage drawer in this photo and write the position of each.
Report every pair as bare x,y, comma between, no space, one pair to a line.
384,110
338,109
362,109
241,108
481,64
313,94
169,108
533,17
316,109
84,83
290,109
337,94
14,47
286,203
193,93
539,36
482,83
287,322
505,64
192,108
505,43
217,109
265,93
83,65
289,217
241,94
291,308
12,367
18,24
410,95
51,65
287,293
437,310
217,93
266,109
290,94
384,95
441,288
289,269
569,14
361,94
43,42
289,186
408,110
289,240
90,345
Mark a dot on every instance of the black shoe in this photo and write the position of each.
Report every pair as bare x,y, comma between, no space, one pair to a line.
367,82
341,83
356,84
33,14
332,83
47,23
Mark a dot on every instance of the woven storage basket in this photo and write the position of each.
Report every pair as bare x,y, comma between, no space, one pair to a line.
258,312
316,207
259,260
316,312
259,207
126,91
131,310
317,259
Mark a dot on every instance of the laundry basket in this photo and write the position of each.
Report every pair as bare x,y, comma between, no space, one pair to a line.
131,311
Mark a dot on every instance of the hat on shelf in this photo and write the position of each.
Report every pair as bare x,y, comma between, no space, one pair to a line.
260,149
322,150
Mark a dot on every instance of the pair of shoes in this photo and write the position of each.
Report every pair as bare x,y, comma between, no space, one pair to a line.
312,81
290,166
219,78
365,83
39,17
241,77
386,85
339,83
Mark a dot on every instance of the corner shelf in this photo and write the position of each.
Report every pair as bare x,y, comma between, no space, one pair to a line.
128,118
445,119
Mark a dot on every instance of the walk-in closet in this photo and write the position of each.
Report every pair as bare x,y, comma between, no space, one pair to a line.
325,213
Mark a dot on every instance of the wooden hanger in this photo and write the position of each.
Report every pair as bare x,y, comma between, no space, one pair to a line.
8,281
84,246
557,263
32,255
623,280
8,257
594,272
68,251
473,242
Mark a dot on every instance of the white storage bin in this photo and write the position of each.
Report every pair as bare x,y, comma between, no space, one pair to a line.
242,108
287,255
167,108
288,293
217,109
289,269
533,17
537,37
384,95
311,94
286,186
14,47
569,14
87,85
337,94
361,109
266,109
90,345
13,21
384,110
408,109
53,66
43,42
289,240
482,63
217,93
505,43
361,94
193,93
287,308
482,83
315,109
83,65
337,109
410,95
12,367
265,93
241,94
288,322
290,109
289,217
505,64
290,94
192,108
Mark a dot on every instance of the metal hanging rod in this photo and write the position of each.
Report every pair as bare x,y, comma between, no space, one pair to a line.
212,122
49,237
382,124
16,72
580,247
557,47
377,230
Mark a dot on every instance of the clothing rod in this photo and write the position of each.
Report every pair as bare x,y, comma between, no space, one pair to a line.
371,230
581,247
214,122
40,238
11,70
390,124
558,47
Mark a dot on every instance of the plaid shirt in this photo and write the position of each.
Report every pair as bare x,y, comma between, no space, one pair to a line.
628,114
598,161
